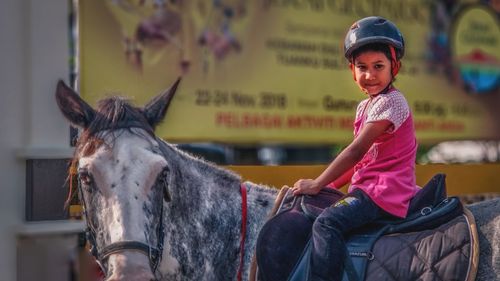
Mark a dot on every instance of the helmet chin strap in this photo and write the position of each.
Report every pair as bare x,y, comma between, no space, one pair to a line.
396,65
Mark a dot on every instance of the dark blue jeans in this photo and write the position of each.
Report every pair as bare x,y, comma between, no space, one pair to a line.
329,230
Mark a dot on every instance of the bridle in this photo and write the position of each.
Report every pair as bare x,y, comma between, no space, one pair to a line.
154,253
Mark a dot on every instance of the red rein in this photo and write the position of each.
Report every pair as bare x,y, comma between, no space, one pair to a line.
243,190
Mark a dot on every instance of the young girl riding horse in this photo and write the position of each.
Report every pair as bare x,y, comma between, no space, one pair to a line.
380,161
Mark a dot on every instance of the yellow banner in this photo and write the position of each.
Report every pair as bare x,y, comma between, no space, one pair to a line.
274,71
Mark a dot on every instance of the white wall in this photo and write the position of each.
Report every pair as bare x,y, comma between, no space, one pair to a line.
12,128
33,56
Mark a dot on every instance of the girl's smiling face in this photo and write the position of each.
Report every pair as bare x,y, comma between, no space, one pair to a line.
372,70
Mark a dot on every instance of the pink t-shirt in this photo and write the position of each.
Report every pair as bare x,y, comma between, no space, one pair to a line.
387,171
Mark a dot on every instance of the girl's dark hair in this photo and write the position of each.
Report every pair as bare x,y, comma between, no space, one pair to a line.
376,47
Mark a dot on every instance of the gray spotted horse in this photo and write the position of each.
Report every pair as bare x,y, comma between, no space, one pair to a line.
154,212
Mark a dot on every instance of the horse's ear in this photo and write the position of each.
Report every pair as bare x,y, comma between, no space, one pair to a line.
156,109
74,108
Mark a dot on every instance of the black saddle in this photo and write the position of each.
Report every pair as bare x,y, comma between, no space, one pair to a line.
284,239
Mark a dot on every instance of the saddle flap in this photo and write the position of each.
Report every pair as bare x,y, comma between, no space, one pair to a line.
280,243
282,239
359,251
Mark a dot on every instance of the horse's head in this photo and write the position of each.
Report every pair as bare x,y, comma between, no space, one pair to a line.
123,177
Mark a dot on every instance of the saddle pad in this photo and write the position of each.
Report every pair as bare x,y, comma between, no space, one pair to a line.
442,253
430,221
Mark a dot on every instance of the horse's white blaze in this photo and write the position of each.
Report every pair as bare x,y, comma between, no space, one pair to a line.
124,174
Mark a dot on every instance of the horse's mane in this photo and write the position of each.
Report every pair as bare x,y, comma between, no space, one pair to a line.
112,113
202,164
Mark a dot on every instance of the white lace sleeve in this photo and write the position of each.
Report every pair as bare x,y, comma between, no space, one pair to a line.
361,106
392,107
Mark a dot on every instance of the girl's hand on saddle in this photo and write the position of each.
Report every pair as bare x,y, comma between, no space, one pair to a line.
306,186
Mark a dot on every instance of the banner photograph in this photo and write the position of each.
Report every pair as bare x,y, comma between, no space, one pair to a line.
274,71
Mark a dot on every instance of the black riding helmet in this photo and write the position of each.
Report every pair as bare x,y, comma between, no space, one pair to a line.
373,30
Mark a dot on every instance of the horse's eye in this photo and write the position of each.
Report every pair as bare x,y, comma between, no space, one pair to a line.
85,178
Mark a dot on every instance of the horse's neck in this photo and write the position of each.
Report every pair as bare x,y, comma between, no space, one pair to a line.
214,194
204,221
